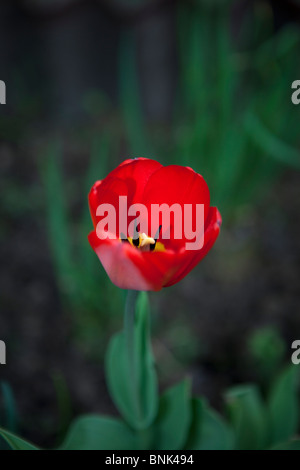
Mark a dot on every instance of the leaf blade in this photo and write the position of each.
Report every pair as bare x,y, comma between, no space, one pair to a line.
209,431
283,406
16,442
174,407
99,433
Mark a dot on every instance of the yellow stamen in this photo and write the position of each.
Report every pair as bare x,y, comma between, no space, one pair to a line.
144,243
145,240
159,247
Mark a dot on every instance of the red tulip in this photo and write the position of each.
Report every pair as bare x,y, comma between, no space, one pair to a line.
146,262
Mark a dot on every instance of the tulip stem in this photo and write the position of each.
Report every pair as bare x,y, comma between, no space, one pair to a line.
129,326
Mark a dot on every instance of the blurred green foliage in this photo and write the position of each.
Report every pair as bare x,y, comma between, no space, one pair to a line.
84,286
267,350
235,121
176,420
231,97
8,412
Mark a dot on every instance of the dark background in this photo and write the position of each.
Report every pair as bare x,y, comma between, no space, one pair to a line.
81,76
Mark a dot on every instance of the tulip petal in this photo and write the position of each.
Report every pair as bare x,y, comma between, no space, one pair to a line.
193,258
129,268
129,178
176,185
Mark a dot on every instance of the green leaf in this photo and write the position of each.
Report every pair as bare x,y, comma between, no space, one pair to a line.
99,433
137,402
130,97
284,407
10,408
208,431
15,442
174,408
291,445
147,378
248,417
272,145
57,213
8,412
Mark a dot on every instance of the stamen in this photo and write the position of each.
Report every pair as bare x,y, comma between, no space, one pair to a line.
124,239
158,233
152,247
136,242
143,242
146,241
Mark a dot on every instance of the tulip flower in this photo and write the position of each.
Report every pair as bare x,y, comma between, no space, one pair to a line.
149,261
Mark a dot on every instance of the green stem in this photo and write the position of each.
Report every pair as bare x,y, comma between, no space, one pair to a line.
129,324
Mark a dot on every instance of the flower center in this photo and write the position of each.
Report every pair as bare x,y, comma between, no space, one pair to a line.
143,242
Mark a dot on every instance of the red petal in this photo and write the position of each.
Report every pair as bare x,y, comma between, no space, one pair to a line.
193,258
128,179
129,268
176,185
